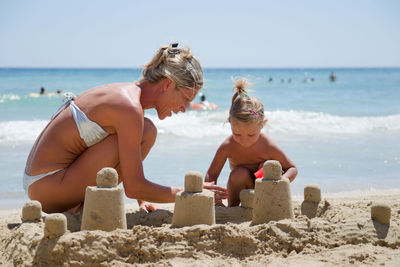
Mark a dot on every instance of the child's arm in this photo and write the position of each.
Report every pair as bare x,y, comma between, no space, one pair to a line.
288,167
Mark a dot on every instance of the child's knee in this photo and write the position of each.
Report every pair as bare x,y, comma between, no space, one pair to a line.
240,176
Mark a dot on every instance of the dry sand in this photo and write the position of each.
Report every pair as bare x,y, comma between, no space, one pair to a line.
343,234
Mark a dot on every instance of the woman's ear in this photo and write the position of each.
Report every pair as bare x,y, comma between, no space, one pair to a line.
168,84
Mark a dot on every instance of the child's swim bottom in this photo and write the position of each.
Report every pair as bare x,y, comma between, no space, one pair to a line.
259,174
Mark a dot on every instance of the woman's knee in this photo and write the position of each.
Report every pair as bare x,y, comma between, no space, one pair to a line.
240,176
149,131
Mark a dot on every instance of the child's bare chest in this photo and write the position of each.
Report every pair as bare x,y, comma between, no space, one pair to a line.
249,158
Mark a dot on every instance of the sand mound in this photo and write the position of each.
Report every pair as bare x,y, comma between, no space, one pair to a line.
343,233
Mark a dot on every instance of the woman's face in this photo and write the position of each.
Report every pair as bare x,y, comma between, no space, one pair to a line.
246,134
175,99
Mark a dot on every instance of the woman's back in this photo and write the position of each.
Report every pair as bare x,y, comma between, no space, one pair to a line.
60,142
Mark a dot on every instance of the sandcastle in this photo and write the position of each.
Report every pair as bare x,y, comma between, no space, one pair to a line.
272,197
55,225
31,211
247,198
194,205
104,207
381,212
312,197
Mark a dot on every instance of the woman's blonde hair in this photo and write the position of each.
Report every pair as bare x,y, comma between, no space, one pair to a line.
175,63
245,108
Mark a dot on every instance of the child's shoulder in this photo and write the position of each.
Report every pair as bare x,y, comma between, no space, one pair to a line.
265,138
227,143
266,141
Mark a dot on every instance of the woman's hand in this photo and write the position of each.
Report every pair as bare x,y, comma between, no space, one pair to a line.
147,206
220,192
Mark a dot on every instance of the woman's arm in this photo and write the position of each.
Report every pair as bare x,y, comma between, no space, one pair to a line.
216,165
213,172
129,123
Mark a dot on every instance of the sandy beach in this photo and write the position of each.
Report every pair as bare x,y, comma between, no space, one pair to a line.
342,234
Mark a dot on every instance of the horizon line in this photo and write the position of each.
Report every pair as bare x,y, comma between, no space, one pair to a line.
233,68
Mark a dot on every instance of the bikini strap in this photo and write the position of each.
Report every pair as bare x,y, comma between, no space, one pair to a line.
68,97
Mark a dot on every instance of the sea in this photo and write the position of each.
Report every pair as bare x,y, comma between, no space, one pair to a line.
342,135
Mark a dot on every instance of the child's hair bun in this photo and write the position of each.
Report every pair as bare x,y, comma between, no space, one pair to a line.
245,108
240,88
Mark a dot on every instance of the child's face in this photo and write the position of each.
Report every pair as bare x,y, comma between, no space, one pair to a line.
246,134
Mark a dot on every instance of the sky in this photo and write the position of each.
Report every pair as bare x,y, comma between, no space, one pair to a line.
221,34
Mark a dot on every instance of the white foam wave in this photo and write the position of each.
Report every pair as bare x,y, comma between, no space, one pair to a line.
20,132
210,124
316,123
194,124
203,124
9,97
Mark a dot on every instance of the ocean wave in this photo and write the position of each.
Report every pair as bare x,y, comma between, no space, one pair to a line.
203,124
315,123
9,97
20,132
193,124
29,98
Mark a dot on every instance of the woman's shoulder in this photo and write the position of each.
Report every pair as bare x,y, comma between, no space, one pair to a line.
118,95
113,101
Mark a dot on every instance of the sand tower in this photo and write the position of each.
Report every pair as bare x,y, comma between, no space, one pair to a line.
272,197
381,212
31,211
104,207
247,198
194,205
55,225
312,197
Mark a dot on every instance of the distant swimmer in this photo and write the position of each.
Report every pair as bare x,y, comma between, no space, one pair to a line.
332,77
270,80
42,92
59,91
203,104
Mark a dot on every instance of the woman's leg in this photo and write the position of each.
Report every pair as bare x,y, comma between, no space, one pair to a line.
66,189
240,178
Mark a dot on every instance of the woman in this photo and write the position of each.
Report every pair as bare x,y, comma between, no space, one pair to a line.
105,127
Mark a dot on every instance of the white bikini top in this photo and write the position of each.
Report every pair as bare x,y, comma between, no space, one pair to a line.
89,131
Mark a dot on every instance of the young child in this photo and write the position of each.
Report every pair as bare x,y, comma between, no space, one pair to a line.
247,148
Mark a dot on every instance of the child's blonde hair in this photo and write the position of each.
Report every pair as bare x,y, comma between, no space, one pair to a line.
245,108
175,63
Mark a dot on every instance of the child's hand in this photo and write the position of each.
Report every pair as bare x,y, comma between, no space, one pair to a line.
147,206
220,192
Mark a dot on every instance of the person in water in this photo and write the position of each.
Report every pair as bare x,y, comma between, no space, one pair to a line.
203,104
332,77
247,148
105,127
